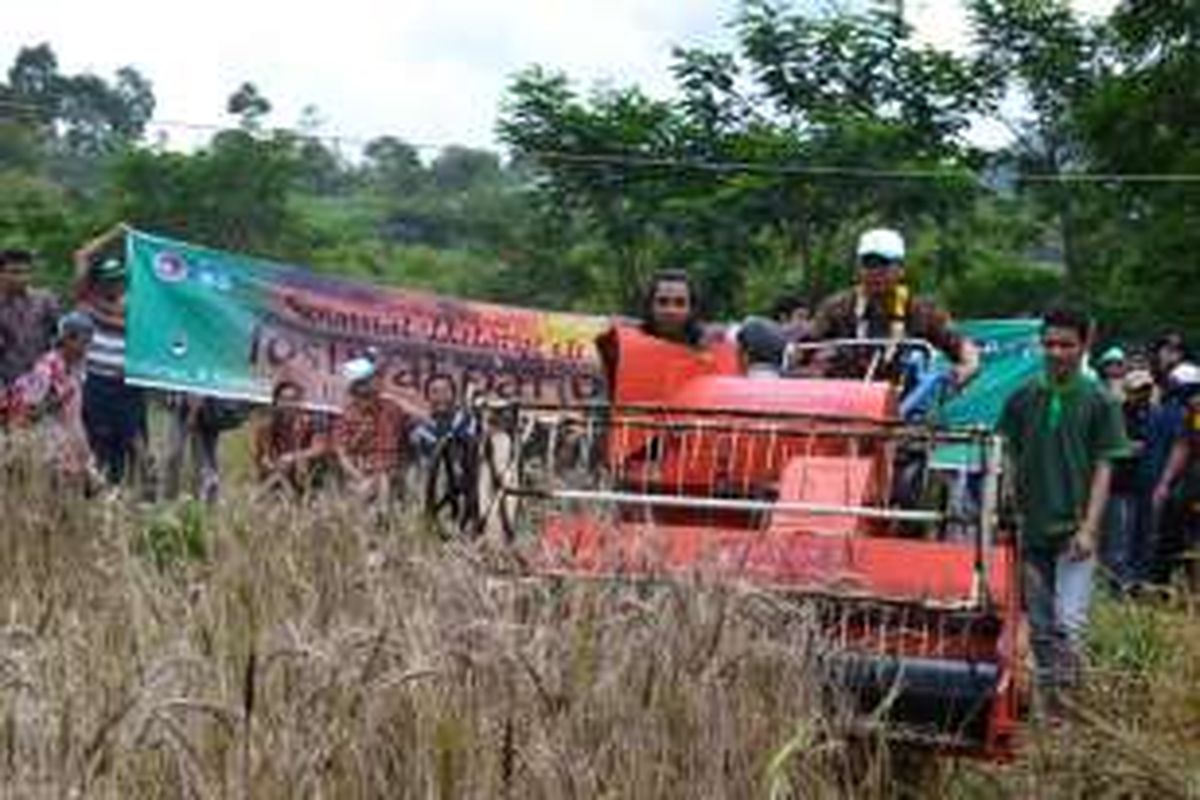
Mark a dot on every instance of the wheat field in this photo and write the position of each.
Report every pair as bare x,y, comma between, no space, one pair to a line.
266,649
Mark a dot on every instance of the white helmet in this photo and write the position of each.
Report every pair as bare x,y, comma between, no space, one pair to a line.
882,242
358,369
1185,374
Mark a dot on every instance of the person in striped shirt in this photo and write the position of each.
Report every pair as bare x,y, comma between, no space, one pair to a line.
114,412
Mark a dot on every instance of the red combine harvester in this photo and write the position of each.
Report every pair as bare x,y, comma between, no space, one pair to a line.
809,487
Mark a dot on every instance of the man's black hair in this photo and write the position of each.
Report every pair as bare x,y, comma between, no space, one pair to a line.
283,386
1171,338
16,255
1070,318
692,332
435,378
762,341
788,302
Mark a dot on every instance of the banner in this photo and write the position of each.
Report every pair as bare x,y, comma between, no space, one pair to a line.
1010,355
222,324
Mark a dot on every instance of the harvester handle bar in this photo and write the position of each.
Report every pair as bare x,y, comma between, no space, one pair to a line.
880,343
730,504
916,404
847,432
965,435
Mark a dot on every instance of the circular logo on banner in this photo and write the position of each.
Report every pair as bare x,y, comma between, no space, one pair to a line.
170,267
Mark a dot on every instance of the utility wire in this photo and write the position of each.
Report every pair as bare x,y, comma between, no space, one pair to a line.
949,174
634,161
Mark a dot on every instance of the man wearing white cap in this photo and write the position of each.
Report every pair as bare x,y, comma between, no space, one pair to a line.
370,437
882,307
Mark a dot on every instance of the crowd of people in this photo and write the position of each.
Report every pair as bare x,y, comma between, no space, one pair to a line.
63,389
1104,462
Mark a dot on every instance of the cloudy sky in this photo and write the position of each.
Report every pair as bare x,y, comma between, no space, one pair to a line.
429,71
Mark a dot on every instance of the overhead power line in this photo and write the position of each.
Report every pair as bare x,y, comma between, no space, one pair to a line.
813,170
32,110
634,161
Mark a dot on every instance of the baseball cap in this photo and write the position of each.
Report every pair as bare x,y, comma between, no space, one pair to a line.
75,322
109,270
358,369
883,243
1185,374
1139,379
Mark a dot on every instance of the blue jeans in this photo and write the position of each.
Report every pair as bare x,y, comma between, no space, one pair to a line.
114,414
1058,594
1122,540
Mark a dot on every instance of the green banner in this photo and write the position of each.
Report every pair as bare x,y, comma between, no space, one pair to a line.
1011,354
222,324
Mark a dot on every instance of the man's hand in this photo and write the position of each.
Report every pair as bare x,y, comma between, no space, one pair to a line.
1082,545
1162,493
968,363
962,374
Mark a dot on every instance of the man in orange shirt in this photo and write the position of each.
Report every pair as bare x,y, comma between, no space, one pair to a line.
370,437
289,442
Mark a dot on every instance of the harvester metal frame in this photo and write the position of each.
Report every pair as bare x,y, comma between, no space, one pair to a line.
650,491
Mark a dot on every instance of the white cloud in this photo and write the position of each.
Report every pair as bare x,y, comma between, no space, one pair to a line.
943,23
424,70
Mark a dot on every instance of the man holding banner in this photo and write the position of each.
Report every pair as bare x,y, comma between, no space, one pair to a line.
370,437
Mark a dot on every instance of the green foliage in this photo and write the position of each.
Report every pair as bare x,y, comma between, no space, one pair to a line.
830,92
1131,637
36,211
232,194
78,120
1144,118
175,537
998,288
757,176
248,105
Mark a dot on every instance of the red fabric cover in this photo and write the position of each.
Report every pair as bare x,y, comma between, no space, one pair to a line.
842,481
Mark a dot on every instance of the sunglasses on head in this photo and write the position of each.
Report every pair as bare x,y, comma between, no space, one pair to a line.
877,262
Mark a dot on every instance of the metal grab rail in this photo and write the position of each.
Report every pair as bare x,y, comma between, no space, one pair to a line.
562,454
886,350
841,425
731,504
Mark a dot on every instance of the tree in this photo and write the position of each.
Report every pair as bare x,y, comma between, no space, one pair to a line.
1143,118
847,93
458,168
231,194
1051,62
36,213
393,166
249,106
83,115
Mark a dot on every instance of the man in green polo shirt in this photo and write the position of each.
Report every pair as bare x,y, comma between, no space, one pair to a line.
1062,431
